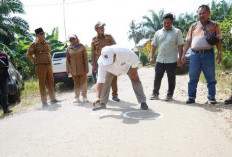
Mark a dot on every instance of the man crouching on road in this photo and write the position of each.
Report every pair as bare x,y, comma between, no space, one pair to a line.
115,61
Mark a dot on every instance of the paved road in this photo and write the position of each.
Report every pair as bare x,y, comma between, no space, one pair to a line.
168,129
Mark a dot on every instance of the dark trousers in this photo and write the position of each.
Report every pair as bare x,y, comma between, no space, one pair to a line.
4,92
160,69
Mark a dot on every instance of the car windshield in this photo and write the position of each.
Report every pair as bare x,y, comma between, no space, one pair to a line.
60,55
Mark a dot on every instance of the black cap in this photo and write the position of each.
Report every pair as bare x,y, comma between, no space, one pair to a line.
39,30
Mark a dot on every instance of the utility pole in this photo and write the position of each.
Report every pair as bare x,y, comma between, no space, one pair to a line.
64,19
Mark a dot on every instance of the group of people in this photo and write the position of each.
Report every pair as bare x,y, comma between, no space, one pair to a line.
202,36
110,60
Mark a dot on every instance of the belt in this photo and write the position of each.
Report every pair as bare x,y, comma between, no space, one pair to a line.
203,51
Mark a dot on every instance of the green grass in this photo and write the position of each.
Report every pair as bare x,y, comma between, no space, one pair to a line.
31,88
223,78
29,96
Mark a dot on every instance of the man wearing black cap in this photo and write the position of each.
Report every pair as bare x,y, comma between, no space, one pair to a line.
98,42
40,53
3,82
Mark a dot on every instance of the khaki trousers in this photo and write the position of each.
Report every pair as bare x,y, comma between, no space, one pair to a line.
45,75
80,84
137,87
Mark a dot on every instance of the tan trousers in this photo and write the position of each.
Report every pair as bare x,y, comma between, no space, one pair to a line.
45,75
80,84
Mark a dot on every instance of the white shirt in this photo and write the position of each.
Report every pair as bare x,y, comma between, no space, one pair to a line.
125,59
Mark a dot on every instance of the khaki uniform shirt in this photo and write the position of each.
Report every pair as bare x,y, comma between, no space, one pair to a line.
99,42
77,60
41,51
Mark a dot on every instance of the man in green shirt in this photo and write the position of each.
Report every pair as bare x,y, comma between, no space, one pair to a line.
169,41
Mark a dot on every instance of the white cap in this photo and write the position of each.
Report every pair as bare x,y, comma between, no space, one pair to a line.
107,55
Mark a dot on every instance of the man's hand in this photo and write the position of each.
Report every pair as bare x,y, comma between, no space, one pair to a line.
183,59
97,101
151,61
179,63
219,58
134,78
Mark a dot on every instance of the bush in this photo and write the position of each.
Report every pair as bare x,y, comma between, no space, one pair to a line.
227,59
144,59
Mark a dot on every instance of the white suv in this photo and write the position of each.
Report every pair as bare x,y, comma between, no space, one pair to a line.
59,68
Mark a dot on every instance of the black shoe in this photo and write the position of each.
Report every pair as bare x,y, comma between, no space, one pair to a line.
44,104
154,97
212,101
115,98
102,106
144,106
6,112
190,101
168,98
54,101
228,101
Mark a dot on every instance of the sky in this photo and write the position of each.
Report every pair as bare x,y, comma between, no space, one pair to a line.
82,15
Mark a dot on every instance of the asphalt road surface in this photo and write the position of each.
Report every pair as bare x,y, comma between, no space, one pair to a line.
167,129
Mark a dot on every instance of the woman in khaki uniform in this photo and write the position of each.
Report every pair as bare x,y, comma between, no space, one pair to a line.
77,65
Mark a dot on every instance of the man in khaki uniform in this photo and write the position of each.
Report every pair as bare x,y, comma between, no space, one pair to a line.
40,53
98,42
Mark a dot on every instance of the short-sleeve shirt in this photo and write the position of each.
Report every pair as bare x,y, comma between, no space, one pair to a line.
125,59
99,42
41,51
167,42
196,35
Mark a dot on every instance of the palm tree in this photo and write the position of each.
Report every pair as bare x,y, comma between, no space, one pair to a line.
135,32
184,21
11,25
153,23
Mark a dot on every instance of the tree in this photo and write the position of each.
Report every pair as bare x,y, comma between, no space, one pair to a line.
153,23
135,32
220,10
10,25
55,44
184,21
